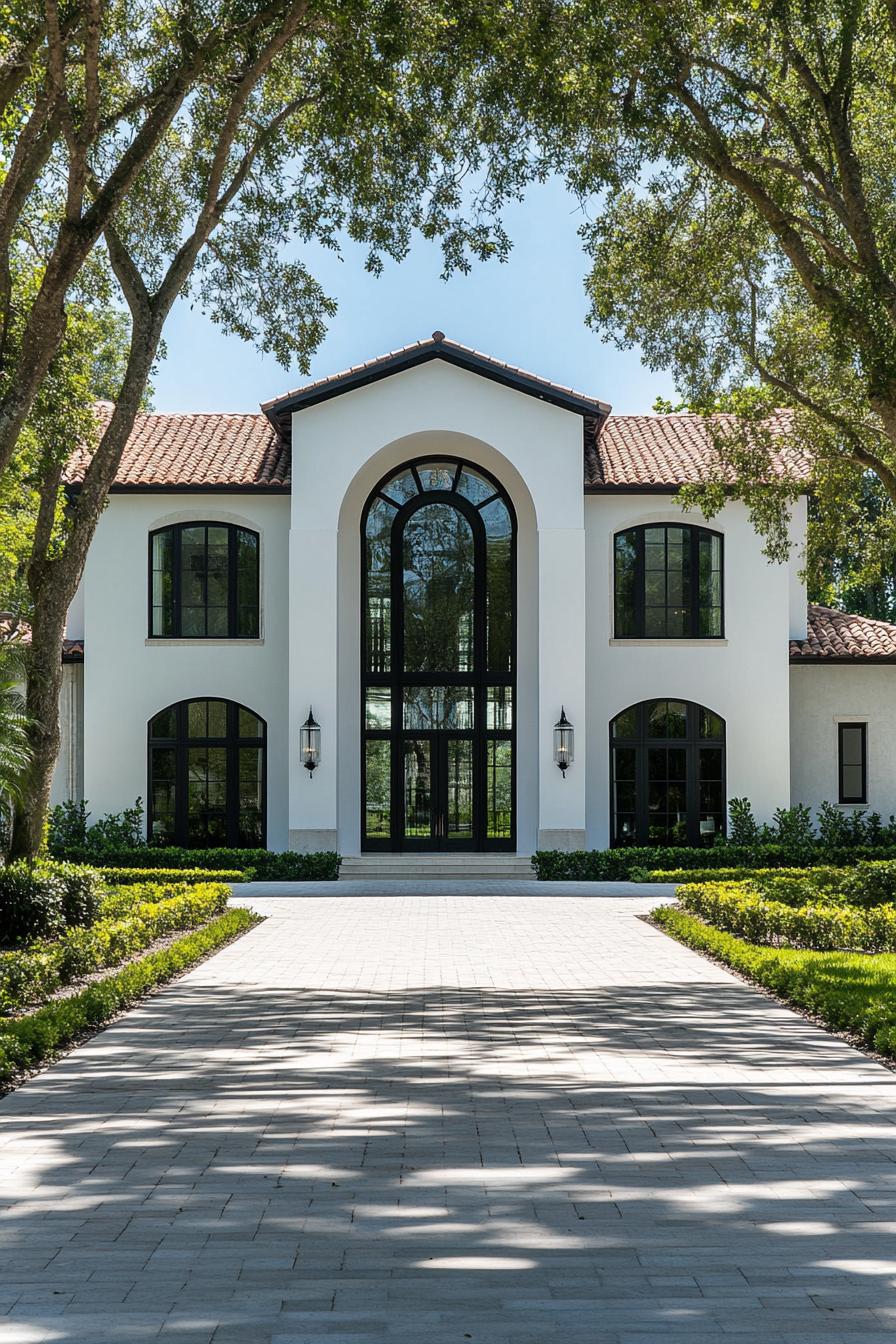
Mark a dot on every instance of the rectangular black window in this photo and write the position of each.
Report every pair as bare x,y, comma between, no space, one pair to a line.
852,762
204,582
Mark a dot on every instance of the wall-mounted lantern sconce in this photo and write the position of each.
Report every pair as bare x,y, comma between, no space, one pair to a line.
564,743
309,743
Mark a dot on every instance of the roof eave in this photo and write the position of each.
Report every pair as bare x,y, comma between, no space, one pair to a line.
280,409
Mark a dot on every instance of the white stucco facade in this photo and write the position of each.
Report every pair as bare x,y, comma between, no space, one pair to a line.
779,742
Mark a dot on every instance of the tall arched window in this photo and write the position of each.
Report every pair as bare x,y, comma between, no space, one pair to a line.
667,774
668,583
438,660
207,773
203,582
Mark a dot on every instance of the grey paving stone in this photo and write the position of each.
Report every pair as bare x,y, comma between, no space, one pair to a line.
384,1117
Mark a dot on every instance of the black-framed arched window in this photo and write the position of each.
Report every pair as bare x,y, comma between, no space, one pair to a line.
203,582
668,583
667,774
207,775
438,660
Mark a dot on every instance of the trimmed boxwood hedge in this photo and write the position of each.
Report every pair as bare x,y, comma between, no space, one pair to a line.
823,926
122,877
734,874
624,865
265,864
849,991
134,919
27,1041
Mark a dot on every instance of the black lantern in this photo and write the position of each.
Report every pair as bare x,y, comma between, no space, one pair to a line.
309,742
564,743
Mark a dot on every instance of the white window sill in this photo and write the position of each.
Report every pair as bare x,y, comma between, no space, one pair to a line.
668,643
200,643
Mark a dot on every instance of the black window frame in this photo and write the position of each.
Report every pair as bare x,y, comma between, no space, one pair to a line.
695,534
479,677
181,742
641,743
233,530
863,730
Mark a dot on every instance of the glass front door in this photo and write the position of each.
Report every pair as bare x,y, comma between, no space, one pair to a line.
438,787
438,661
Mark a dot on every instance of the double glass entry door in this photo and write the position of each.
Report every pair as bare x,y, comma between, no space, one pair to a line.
438,786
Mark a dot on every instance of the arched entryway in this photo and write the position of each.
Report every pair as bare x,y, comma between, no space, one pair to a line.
438,660
667,774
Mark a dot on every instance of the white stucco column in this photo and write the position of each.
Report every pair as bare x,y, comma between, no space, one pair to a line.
561,683
313,670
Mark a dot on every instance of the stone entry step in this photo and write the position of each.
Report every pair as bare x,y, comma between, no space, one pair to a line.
430,867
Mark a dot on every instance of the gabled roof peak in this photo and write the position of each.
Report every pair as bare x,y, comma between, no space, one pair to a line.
279,410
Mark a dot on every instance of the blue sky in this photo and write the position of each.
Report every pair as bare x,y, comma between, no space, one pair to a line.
530,311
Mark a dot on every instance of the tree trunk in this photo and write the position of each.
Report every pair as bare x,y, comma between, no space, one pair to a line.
42,699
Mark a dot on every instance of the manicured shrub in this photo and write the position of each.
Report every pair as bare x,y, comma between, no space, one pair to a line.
131,922
39,900
625,865
69,829
28,1041
265,864
738,874
32,903
849,991
823,926
122,877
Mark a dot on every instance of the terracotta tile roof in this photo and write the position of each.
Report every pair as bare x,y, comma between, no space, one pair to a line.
658,450
15,630
231,451
836,636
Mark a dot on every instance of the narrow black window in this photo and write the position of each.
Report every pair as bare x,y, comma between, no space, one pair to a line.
203,582
852,762
668,583
207,775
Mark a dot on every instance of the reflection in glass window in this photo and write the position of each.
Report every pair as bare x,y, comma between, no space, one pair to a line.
438,707
439,571
667,774
667,583
438,636
204,582
207,775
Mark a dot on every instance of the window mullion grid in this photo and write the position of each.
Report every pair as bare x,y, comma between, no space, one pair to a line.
694,560
640,582
232,599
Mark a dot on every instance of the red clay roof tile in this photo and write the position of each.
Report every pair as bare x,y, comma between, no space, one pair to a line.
836,635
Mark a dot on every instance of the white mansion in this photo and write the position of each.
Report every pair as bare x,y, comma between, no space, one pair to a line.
440,553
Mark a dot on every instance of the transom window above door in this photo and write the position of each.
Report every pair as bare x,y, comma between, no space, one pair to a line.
668,583
203,582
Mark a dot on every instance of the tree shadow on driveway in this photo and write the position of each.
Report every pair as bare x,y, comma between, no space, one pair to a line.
628,1164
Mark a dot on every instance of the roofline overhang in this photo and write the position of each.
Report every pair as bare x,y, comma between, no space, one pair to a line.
186,488
280,409
842,660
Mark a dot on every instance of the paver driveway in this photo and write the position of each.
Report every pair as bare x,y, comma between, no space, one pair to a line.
497,1119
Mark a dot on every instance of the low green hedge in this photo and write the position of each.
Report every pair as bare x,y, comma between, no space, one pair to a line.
624,865
265,864
734,874
30,974
849,991
823,926
27,1041
122,877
